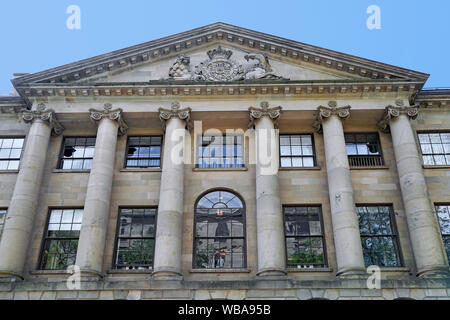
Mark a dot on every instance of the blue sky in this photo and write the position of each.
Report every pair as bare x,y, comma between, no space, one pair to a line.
414,34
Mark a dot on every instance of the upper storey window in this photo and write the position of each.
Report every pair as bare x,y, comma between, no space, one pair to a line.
296,151
363,150
77,153
144,152
10,151
221,152
435,148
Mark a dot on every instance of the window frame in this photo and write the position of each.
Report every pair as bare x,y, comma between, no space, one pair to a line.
395,236
224,135
446,204
244,228
143,136
21,152
2,226
380,155
313,145
431,154
116,237
45,235
61,152
324,243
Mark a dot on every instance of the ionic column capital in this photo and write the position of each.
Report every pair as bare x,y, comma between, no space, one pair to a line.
108,113
392,112
258,113
175,111
46,115
326,112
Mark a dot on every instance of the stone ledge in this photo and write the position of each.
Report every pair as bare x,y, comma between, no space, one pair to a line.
219,169
220,271
436,167
128,170
9,171
370,168
300,168
309,270
125,272
70,171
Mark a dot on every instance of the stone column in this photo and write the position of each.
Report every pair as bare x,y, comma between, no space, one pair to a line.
92,239
169,228
422,222
269,215
347,239
20,218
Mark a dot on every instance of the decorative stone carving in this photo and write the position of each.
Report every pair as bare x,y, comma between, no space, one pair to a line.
46,115
219,67
108,113
175,111
326,112
257,113
395,111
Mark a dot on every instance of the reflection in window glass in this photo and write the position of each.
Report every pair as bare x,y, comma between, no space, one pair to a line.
61,240
77,153
2,220
221,152
363,149
219,232
144,152
296,151
10,152
435,148
304,237
135,244
378,236
443,213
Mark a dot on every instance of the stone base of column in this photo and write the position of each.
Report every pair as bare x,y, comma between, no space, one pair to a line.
434,272
10,276
352,273
272,273
166,274
90,275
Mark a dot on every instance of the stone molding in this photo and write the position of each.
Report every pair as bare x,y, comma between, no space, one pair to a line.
108,113
175,111
258,113
326,112
46,115
392,112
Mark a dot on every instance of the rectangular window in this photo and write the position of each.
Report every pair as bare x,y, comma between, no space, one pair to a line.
144,152
297,151
435,148
305,244
443,212
10,152
2,220
363,150
61,239
77,153
378,236
220,152
135,241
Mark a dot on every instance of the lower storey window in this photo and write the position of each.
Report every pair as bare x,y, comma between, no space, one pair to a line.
135,245
305,244
2,220
378,236
443,212
61,239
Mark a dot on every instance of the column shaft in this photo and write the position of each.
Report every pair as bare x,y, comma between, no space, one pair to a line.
347,238
20,218
422,222
97,204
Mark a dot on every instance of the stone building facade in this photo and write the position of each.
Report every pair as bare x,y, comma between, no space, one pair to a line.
223,163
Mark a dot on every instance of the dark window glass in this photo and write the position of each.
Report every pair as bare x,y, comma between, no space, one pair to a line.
363,149
135,244
304,237
219,232
61,239
378,236
10,152
296,151
443,212
144,152
77,153
435,148
221,152
2,220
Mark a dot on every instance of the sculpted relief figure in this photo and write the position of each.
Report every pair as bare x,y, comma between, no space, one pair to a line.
220,67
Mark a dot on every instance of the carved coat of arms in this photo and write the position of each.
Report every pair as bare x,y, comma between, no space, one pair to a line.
219,67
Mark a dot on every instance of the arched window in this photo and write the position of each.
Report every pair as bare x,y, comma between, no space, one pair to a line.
219,228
